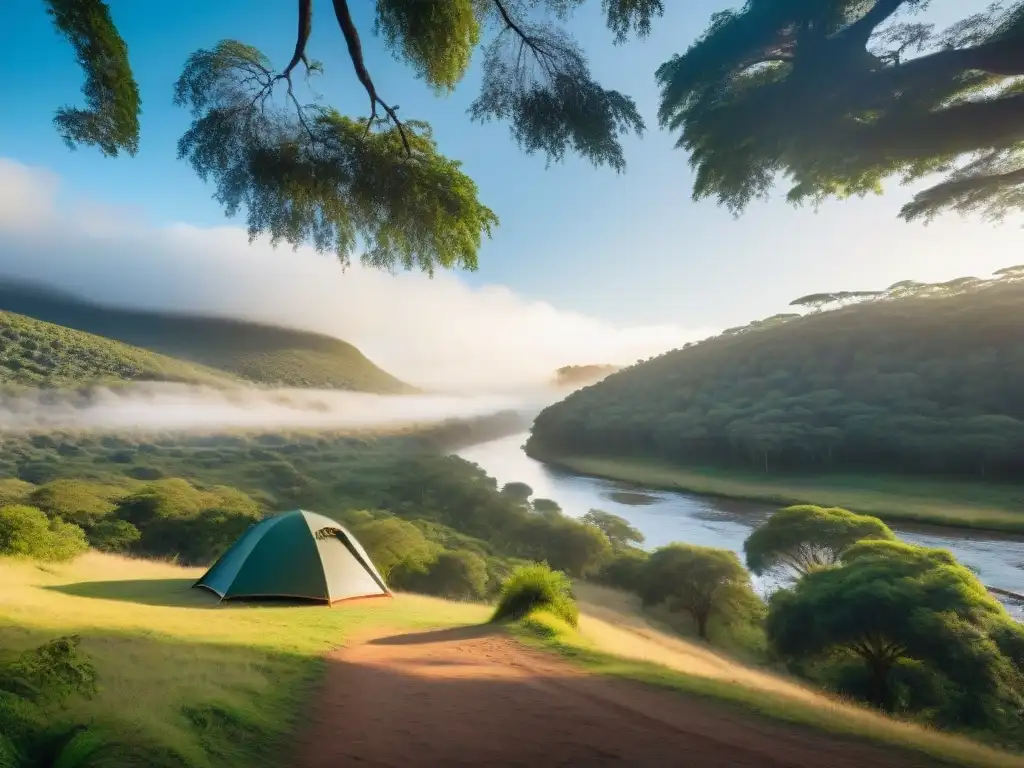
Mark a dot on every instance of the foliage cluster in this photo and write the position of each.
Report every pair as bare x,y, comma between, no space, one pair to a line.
838,96
708,586
536,588
918,381
27,532
904,628
304,172
205,350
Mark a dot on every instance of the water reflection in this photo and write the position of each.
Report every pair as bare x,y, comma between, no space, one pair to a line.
664,516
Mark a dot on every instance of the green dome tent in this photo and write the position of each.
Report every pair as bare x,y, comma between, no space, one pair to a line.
295,554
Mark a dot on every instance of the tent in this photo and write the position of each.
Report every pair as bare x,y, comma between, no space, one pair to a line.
295,554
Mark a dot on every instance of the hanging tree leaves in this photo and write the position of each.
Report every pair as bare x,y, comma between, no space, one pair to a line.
839,95
307,173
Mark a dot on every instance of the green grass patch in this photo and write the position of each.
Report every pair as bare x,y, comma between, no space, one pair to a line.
986,506
217,685
548,632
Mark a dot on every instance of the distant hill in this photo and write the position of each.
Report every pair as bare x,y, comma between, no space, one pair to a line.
34,353
925,379
575,375
253,352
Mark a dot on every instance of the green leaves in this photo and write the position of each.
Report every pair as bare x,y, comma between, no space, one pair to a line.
891,603
111,119
536,77
308,174
313,175
704,582
624,16
834,99
805,538
437,39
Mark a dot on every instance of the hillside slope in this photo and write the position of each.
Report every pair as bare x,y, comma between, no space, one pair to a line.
34,352
919,384
258,353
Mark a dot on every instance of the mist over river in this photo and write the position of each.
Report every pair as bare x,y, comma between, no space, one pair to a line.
667,516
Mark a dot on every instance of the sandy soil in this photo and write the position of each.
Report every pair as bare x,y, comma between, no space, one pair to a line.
470,697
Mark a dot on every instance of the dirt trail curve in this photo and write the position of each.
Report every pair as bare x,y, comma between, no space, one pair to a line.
469,697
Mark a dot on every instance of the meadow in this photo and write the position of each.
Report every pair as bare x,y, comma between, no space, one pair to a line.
219,685
228,685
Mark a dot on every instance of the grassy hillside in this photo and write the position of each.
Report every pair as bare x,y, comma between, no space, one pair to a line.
219,686
923,384
33,353
225,685
254,352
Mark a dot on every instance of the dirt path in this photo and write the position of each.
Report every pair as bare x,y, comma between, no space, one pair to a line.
468,697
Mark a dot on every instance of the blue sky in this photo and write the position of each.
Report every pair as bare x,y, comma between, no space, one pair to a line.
630,249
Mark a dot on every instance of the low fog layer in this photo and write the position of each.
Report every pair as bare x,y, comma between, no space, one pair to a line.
170,407
437,334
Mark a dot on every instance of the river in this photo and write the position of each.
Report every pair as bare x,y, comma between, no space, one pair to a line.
667,516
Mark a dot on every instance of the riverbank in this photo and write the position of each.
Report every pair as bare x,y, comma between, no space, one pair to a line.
953,504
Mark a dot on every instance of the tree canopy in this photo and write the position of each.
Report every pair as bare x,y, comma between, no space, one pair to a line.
837,96
906,613
305,172
806,538
703,582
618,530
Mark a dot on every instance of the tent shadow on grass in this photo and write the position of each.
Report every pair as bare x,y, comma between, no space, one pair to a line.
175,593
170,593
439,635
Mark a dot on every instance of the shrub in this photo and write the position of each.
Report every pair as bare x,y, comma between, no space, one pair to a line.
703,582
114,536
625,570
536,587
458,575
81,502
27,532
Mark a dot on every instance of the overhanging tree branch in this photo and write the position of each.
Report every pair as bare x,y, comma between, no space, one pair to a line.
929,201
966,127
302,37
1001,57
860,31
355,52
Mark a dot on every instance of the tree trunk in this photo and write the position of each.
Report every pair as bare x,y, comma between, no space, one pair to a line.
880,694
700,618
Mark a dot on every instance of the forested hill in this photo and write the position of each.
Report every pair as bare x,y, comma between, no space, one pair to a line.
254,352
914,380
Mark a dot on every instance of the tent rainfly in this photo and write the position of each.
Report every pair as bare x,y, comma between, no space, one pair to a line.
295,554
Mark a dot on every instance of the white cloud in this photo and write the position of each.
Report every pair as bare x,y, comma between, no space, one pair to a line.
438,333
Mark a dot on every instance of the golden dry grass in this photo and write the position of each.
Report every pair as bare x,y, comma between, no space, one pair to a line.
614,624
